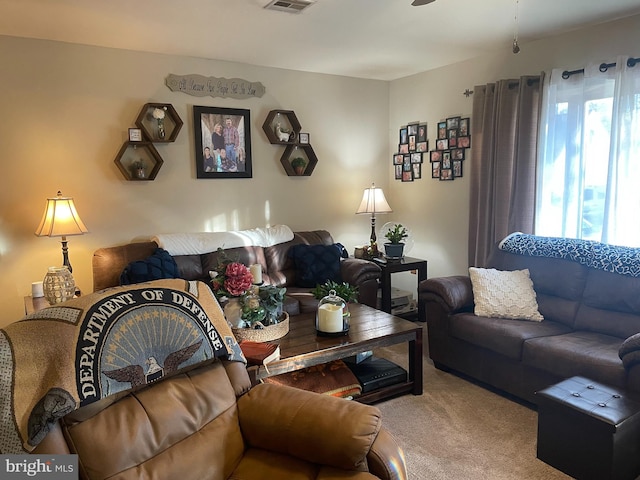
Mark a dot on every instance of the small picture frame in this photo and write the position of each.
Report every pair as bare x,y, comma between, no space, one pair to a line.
463,127
416,157
403,135
407,175
303,138
417,170
398,172
435,169
446,159
436,156
457,154
446,174
422,146
452,123
442,144
422,133
464,142
442,130
457,168
398,158
412,129
403,148
135,135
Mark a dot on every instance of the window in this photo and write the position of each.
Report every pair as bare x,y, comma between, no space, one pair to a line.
588,179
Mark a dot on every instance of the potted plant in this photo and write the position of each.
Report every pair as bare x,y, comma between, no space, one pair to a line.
394,248
298,164
138,169
272,299
346,291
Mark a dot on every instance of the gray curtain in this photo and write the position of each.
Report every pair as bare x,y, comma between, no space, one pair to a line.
504,131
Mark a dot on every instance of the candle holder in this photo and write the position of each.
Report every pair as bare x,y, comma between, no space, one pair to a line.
58,285
332,317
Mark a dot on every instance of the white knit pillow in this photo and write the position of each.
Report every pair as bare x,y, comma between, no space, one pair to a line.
504,294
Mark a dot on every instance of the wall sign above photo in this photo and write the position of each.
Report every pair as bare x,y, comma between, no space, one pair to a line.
412,145
201,86
454,137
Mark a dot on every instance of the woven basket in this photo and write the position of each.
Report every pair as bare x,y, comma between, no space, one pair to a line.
266,334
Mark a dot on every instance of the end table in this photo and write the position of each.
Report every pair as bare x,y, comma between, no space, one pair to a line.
32,305
405,264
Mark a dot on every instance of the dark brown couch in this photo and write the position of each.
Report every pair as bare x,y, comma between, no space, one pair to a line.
278,269
588,315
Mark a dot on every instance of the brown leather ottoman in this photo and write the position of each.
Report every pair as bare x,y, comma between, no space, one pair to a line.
589,430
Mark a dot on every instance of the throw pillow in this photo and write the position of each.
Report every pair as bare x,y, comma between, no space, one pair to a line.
315,264
504,294
158,266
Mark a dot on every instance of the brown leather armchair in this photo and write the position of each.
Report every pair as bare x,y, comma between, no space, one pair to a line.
208,423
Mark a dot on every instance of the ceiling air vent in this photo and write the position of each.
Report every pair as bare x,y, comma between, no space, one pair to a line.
291,6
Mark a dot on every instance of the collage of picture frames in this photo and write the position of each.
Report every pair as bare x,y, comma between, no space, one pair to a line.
454,137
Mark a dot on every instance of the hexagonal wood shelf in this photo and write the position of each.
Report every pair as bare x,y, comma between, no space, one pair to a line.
143,152
172,123
287,120
303,151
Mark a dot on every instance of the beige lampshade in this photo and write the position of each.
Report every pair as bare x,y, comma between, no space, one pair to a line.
60,218
373,201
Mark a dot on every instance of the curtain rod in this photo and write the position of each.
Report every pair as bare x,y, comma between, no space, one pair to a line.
530,81
603,67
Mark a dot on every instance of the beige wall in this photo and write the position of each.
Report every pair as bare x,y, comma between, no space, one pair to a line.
66,110
437,212
65,113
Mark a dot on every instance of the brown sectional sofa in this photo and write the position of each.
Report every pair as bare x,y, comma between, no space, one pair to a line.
591,317
277,267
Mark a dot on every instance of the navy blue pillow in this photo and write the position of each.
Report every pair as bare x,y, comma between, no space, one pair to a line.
159,265
315,264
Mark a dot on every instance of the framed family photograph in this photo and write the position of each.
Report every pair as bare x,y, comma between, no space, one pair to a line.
222,142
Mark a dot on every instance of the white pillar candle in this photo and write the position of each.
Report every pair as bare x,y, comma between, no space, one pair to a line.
330,318
256,273
37,290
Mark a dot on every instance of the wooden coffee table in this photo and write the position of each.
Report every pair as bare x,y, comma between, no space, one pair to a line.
369,329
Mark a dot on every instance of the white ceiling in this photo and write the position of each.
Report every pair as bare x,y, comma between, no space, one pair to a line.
376,39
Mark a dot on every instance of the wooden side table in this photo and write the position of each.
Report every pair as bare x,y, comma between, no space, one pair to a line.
405,264
32,305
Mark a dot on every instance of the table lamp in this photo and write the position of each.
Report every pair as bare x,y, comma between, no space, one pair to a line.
373,202
60,219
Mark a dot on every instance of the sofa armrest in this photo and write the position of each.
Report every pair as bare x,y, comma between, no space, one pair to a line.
629,351
453,293
316,428
356,271
386,458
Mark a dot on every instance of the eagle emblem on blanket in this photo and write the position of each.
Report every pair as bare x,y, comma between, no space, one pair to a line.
136,374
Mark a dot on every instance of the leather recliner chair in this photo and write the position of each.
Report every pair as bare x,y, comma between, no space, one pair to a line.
209,424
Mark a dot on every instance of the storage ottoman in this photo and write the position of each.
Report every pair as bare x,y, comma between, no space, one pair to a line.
589,430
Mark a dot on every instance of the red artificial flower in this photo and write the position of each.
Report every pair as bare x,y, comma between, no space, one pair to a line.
238,279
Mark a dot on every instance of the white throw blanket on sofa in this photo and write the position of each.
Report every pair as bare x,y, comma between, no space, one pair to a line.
205,242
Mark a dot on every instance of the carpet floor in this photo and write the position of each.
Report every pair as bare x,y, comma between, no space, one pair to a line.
459,430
